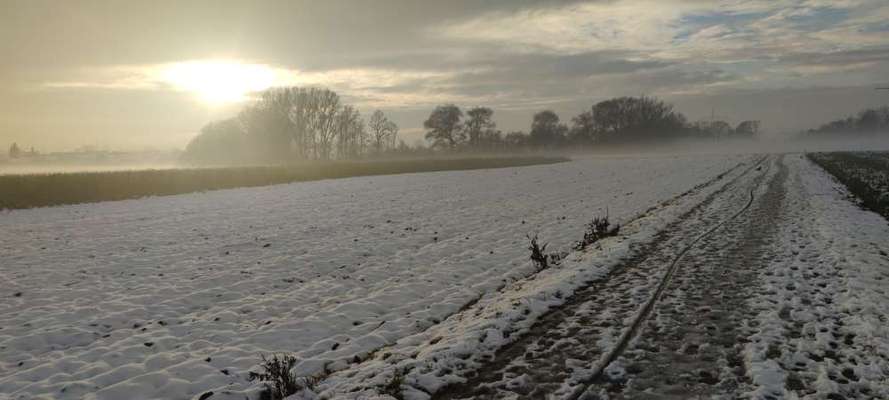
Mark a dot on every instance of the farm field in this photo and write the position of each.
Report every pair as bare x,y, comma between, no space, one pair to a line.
444,200
767,283
327,270
864,173
50,189
424,280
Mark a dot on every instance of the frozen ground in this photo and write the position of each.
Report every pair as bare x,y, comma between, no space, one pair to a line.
176,297
821,329
768,283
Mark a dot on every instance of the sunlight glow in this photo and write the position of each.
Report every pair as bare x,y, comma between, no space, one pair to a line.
221,81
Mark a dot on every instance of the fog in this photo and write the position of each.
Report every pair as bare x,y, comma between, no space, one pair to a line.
88,73
124,161
69,162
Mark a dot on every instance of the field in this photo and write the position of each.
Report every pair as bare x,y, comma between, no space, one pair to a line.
865,174
41,190
731,275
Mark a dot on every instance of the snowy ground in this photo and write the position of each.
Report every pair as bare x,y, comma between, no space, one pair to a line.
177,296
822,328
778,292
547,354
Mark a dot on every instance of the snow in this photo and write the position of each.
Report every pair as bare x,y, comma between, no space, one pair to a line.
444,353
173,297
820,331
821,328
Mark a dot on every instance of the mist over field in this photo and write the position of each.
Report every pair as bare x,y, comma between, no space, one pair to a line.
444,200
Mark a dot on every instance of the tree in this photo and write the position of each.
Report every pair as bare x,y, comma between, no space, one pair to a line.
219,143
443,126
350,133
747,129
636,118
292,120
325,104
392,129
480,127
516,139
383,132
869,121
546,130
268,122
15,151
583,128
720,129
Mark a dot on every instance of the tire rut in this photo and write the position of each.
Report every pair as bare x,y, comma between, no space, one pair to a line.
558,355
693,345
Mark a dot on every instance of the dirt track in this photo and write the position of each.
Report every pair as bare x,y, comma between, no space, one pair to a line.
672,316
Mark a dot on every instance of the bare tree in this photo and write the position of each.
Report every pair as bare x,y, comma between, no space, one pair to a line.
350,133
383,131
325,104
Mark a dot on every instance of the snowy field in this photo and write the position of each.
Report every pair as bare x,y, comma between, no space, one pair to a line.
794,291
174,297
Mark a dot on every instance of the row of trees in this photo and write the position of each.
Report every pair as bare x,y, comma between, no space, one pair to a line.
16,152
292,123
284,124
869,121
618,120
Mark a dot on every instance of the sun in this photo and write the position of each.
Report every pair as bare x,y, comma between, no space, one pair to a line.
220,81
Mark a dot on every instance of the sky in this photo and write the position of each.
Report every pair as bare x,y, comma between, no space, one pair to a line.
130,75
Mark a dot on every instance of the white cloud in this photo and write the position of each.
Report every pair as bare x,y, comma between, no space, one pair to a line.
637,25
233,80
753,35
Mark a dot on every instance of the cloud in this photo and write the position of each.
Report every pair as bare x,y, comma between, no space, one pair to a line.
622,25
373,86
539,51
515,56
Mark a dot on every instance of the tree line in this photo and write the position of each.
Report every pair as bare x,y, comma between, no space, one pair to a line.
869,121
291,123
614,121
16,152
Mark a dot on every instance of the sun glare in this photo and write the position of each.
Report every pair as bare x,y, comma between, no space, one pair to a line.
218,82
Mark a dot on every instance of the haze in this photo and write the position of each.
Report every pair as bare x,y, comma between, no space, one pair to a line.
135,75
444,199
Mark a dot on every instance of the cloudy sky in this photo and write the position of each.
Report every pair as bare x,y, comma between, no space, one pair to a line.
136,74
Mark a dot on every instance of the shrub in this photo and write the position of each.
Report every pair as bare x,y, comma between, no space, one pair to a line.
278,379
393,387
597,229
538,255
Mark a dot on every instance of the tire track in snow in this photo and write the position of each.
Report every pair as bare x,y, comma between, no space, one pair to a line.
542,360
646,310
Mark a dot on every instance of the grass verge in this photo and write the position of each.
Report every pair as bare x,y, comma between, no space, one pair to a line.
41,190
865,174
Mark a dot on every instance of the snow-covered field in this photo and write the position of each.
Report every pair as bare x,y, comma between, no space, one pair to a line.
178,296
787,301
